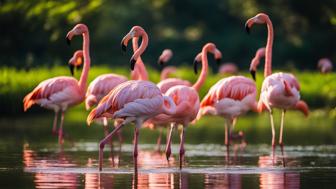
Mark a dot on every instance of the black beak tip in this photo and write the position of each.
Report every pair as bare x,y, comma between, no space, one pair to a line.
160,62
123,47
195,66
218,60
247,28
253,74
71,67
68,41
133,61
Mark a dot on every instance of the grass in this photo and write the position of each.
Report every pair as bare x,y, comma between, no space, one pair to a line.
318,90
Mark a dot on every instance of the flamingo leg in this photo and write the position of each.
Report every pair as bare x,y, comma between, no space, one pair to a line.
158,142
169,139
182,150
273,130
54,128
104,141
281,127
227,139
106,131
60,129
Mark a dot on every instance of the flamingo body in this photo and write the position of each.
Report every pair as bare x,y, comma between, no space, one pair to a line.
280,90
101,86
166,84
57,93
228,68
230,97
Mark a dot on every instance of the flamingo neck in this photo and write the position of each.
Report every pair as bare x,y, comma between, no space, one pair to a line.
140,71
86,54
269,46
201,79
166,72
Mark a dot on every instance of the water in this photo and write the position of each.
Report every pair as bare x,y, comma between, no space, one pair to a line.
31,158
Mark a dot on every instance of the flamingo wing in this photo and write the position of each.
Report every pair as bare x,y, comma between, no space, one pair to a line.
55,90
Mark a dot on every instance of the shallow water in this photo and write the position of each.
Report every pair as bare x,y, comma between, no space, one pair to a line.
29,160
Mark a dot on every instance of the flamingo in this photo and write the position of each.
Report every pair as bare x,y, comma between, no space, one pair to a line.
187,102
166,83
230,98
325,65
279,90
60,93
132,101
256,61
228,68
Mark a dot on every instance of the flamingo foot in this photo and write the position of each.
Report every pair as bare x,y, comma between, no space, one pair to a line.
101,153
182,151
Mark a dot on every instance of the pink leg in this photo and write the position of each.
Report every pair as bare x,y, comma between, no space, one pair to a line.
54,129
136,138
168,143
106,131
103,142
227,139
281,127
182,150
273,130
158,142
60,130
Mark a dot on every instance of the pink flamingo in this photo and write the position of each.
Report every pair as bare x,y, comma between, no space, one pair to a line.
59,93
166,83
279,90
76,61
187,101
132,101
256,61
230,97
228,68
325,65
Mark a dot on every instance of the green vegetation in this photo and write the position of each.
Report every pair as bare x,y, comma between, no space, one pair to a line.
318,90
33,32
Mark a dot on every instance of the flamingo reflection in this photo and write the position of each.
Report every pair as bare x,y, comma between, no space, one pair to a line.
232,181
277,180
31,160
153,160
97,180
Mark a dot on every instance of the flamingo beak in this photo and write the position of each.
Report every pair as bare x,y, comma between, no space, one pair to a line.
133,61
218,60
123,46
68,41
71,67
195,66
160,62
253,74
247,28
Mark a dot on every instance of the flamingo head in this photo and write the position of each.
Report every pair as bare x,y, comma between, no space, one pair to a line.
136,31
75,61
209,47
260,18
255,61
165,56
77,30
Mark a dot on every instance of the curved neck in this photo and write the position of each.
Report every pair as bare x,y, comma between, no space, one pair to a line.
86,54
269,46
166,72
201,79
140,71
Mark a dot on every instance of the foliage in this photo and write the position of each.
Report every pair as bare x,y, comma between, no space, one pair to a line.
318,90
34,30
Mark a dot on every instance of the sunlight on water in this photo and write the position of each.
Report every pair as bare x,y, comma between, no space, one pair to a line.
64,168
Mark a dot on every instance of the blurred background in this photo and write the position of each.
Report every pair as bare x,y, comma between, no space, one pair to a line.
33,32
33,47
